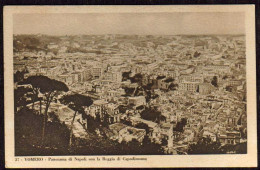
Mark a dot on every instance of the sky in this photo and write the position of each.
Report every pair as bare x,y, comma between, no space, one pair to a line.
130,23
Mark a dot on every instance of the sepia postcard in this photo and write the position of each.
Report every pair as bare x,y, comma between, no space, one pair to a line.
130,86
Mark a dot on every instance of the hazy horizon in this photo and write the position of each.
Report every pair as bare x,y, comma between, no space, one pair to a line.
206,23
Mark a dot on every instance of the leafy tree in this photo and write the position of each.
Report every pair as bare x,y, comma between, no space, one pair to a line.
138,91
168,80
164,142
150,148
129,91
214,81
19,76
205,146
152,114
172,86
198,89
180,125
49,88
160,77
241,148
242,131
143,126
137,78
148,95
20,97
134,147
36,83
98,118
92,123
122,108
28,127
229,88
105,119
126,75
162,118
103,146
76,103
196,54
126,122
225,77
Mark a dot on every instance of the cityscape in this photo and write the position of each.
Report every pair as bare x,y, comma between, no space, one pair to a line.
117,94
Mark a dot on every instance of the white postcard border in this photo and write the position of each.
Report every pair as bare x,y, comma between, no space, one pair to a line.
236,160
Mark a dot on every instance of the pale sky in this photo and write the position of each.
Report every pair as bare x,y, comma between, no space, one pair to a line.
130,23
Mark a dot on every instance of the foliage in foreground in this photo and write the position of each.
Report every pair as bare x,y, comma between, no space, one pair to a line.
28,126
207,146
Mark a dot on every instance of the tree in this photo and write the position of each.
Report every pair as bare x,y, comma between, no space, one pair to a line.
76,103
36,83
142,125
241,148
160,77
205,146
19,76
229,88
198,89
122,108
134,147
129,91
152,114
126,75
148,87
196,54
168,80
49,88
225,77
161,118
172,86
105,119
137,78
164,142
151,148
148,95
214,81
98,118
28,127
180,125
20,97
